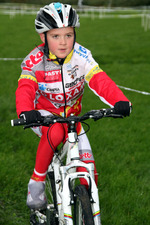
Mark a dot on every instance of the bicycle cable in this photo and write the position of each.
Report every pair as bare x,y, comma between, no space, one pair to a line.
88,128
55,153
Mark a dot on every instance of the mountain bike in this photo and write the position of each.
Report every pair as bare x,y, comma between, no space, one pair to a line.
69,202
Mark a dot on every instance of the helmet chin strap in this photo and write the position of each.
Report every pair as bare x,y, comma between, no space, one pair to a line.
74,38
46,49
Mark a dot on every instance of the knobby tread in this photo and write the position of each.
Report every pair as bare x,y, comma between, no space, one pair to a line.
82,195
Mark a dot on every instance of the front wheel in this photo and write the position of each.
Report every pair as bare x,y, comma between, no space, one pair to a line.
52,210
82,207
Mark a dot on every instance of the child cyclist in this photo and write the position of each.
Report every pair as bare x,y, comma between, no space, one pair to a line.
52,82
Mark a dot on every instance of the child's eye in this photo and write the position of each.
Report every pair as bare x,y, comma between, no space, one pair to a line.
69,35
55,36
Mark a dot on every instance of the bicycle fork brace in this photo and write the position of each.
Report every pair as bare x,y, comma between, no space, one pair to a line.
68,174
68,199
65,195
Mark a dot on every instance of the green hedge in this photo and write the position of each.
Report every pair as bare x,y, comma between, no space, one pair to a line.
87,2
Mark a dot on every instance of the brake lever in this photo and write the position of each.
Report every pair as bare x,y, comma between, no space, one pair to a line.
94,114
115,116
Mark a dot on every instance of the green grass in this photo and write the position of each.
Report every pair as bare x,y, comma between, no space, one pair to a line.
121,147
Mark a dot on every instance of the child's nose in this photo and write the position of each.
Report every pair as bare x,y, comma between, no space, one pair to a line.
63,40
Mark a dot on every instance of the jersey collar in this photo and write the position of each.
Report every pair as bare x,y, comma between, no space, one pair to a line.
53,57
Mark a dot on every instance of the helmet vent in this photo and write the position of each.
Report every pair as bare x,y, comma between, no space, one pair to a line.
49,19
72,19
61,16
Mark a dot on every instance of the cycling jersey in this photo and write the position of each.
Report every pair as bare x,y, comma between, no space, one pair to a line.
45,84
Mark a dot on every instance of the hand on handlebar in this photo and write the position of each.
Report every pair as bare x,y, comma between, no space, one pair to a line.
32,116
123,108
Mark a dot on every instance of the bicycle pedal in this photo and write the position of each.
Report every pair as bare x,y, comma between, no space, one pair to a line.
51,214
50,206
38,217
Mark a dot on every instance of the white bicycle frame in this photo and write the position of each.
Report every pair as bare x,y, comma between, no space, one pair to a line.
64,175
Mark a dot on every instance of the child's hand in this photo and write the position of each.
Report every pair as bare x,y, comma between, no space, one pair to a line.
123,108
32,116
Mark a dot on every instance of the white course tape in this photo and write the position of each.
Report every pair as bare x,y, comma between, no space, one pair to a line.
130,89
122,87
10,59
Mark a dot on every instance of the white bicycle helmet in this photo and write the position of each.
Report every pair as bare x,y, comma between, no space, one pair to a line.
56,15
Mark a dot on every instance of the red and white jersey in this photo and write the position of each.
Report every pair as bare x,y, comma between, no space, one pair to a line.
46,85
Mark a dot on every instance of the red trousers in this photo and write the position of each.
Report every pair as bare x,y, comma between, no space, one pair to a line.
57,133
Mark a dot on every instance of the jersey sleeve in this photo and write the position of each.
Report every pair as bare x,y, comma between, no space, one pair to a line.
26,91
101,84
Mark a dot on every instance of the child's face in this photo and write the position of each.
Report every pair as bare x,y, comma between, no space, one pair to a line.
60,41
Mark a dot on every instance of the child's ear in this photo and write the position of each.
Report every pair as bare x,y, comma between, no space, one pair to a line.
42,36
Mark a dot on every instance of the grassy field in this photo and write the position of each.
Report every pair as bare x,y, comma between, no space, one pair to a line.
121,147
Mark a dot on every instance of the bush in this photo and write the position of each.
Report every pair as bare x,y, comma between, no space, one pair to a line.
86,2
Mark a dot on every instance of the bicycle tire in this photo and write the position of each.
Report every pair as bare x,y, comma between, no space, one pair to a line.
51,180
82,207
51,196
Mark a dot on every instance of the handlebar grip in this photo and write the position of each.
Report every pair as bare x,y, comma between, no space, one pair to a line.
18,122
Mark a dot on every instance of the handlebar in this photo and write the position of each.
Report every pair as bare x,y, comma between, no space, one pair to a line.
47,120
